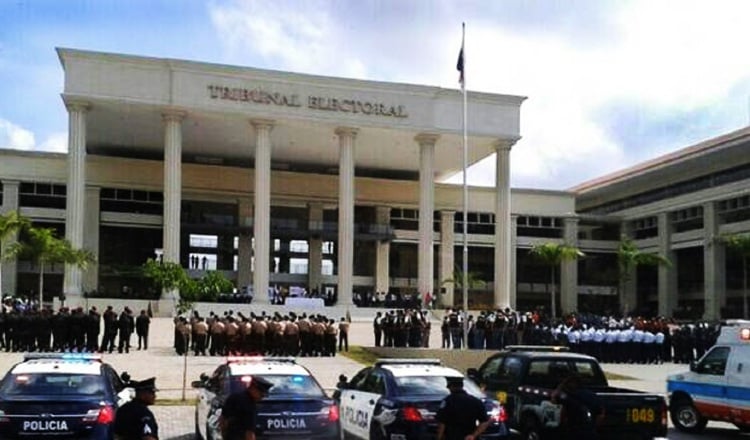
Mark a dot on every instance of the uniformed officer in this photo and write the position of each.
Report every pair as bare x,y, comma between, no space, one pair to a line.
239,413
133,420
461,416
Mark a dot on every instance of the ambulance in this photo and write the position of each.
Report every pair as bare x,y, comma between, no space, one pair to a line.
717,387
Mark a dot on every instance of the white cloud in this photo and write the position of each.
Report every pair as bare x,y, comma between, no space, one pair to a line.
14,137
663,57
55,143
297,37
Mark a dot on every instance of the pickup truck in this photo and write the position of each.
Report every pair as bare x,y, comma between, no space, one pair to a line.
523,378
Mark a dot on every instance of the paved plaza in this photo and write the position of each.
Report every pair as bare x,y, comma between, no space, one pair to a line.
174,373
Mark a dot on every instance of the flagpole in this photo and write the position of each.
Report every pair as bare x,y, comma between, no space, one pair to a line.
465,269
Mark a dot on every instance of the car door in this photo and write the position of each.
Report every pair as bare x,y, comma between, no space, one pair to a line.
711,394
368,397
210,400
348,406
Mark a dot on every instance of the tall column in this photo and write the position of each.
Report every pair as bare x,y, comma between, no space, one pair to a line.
569,270
75,197
346,135
447,256
513,261
315,249
9,271
714,264
91,239
667,275
382,252
244,244
172,188
502,224
262,225
425,258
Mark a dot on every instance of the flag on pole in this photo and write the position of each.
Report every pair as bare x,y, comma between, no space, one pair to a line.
460,63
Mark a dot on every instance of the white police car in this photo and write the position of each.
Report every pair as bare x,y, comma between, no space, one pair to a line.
398,399
296,406
717,387
60,396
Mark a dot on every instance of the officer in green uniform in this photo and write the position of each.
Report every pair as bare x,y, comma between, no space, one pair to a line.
133,420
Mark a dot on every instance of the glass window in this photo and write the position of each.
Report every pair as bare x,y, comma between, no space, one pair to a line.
714,362
491,369
431,386
284,385
204,241
53,385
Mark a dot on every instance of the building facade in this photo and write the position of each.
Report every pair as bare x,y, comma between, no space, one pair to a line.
324,184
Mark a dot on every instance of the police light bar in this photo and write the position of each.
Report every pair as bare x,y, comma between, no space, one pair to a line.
538,348
406,361
249,359
63,356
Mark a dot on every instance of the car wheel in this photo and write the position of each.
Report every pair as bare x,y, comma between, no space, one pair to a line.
686,417
531,429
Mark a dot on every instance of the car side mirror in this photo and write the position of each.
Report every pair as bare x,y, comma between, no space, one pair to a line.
203,377
198,384
473,374
694,366
125,378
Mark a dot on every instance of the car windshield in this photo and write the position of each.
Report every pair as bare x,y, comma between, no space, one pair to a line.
284,385
52,385
430,385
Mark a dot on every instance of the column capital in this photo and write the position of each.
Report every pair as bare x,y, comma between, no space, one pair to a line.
77,105
346,131
173,115
426,138
259,123
505,144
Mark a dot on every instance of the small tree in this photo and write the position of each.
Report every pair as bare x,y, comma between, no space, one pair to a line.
10,224
212,284
473,280
629,257
740,243
42,247
552,255
171,276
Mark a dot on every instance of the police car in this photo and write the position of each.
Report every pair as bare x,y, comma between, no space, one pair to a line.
717,387
296,406
60,396
397,399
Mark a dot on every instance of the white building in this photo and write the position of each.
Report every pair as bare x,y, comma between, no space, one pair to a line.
336,180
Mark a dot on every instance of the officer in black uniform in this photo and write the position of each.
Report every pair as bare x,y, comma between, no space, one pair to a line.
461,416
239,413
133,420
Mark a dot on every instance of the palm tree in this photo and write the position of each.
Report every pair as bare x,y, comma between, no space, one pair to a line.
740,243
552,255
42,247
630,257
473,280
10,224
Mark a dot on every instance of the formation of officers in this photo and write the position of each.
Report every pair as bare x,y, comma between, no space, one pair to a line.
609,339
71,330
277,335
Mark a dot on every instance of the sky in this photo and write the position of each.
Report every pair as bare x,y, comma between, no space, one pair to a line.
610,83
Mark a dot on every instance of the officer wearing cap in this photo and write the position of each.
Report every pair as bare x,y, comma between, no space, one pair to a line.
461,416
133,420
239,413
